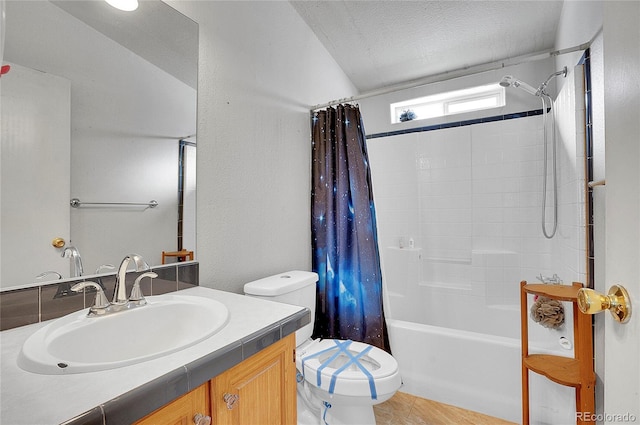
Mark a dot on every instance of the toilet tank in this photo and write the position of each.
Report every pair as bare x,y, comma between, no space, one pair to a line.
294,287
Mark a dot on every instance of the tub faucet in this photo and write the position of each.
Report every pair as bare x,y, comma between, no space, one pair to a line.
554,280
120,291
73,253
43,275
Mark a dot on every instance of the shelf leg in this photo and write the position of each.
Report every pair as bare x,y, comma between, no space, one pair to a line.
524,336
585,403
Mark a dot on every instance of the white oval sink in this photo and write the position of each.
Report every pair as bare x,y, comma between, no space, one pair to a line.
76,343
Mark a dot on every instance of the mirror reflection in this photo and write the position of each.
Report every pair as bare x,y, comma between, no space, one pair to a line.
98,105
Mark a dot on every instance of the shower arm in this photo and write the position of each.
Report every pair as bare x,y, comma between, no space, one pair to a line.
543,86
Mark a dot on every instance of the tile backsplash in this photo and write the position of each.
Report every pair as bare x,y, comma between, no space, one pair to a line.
25,306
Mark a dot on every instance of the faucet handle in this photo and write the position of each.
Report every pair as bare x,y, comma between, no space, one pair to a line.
45,274
101,302
136,293
105,267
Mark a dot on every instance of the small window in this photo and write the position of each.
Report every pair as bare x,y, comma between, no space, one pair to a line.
454,102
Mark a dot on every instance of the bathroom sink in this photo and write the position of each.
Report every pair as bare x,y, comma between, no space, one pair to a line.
77,343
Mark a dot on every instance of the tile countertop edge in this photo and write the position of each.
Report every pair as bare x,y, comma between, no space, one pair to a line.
149,396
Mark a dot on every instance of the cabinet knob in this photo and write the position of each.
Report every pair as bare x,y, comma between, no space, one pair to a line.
617,301
231,400
200,419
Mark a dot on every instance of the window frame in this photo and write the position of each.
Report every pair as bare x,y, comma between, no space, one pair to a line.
441,104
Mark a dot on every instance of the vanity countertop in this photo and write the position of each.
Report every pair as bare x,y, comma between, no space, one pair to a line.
126,394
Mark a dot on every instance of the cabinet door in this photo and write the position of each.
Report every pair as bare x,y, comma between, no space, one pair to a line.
265,385
182,410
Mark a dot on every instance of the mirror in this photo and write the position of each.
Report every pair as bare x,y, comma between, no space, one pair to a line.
99,105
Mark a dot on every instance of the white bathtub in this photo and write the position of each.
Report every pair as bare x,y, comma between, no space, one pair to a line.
475,371
456,335
457,367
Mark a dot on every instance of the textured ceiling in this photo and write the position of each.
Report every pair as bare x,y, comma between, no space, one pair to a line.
382,43
378,43
155,31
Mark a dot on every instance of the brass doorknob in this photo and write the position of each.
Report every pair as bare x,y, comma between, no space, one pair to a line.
58,243
617,301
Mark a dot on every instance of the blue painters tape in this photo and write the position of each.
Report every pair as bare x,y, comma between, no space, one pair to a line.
342,348
354,360
318,355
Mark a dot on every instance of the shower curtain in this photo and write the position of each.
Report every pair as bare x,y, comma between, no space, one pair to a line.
343,225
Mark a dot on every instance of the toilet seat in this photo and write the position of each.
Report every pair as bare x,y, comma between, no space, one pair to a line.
348,367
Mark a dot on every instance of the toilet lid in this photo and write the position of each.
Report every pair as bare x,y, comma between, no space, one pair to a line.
326,361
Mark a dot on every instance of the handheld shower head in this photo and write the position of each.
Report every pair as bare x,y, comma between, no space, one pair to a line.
526,87
510,81
506,81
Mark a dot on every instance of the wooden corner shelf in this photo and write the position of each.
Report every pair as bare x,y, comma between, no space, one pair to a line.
183,255
562,370
557,292
576,372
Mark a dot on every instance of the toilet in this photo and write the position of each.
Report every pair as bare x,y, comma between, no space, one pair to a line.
339,381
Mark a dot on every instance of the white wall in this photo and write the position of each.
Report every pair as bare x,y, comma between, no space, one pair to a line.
580,21
126,118
35,173
260,70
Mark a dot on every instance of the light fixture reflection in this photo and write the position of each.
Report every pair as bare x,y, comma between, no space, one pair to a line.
126,5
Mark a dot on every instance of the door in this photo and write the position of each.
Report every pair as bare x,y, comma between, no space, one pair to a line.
36,134
621,49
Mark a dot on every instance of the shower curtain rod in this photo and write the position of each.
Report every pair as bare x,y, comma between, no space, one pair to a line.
461,72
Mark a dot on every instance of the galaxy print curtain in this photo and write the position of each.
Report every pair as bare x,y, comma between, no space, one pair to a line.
343,226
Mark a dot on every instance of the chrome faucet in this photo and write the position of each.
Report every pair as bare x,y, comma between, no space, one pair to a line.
73,253
120,291
102,306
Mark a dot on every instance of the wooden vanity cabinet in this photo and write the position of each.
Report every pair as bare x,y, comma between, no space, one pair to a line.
182,410
259,390
265,387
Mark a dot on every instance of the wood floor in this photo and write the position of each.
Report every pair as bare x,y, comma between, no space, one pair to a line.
405,409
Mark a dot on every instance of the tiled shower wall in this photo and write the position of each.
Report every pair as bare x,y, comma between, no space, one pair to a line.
569,247
469,197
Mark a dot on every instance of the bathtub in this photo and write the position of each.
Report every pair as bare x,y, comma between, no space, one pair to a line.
459,367
477,372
